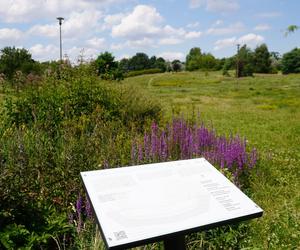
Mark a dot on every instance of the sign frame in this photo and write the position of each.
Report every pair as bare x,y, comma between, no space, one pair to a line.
169,237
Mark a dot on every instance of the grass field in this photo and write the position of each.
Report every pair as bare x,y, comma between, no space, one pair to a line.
266,110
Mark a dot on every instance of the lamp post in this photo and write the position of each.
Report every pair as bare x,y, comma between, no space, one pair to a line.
60,19
238,61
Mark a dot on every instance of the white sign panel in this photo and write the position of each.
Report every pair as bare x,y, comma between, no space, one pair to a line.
135,205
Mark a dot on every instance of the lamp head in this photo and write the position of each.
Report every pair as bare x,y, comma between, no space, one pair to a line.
60,19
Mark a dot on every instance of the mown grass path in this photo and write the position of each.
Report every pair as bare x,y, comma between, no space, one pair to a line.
266,110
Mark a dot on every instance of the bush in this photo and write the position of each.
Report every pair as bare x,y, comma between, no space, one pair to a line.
50,134
142,72
291,62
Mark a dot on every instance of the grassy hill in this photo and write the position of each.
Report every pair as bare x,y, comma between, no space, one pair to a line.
266,110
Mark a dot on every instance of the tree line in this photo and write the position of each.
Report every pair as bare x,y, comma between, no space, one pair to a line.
16,61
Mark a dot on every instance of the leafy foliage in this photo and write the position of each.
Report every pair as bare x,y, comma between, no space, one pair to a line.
176,65
291,62
141,61
108,67
14,59
291,29
262,59
245,60
193,59
51,133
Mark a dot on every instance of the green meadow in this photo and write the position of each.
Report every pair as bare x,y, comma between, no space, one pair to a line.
265,109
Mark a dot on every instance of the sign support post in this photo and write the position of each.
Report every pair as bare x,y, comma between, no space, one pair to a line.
175,243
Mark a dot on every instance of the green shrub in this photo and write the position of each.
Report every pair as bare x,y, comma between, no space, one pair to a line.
50,133
142,72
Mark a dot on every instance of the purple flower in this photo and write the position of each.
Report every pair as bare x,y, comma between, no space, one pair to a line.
88,209
182,140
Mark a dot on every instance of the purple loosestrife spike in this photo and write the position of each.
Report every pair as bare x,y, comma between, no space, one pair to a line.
163,146
88,209
140,152
78,211
154,143
146,147
133,152
79,204
253,158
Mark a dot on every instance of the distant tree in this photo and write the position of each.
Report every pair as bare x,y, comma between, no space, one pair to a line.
139,61
245,61
291,62
152,62
160,64
208,61
230,63
176,65
124,65
193,59
14,59
220,63
107,67
262,59
275,58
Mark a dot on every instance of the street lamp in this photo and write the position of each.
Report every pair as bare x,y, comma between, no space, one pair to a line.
238,61
60,19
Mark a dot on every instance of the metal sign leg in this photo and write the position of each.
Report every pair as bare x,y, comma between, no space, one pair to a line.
175,243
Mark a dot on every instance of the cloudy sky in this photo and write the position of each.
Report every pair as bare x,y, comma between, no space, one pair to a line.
167,28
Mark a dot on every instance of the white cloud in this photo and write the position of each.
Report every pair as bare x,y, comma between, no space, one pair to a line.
96,43
82,23
193,34
27,10
144,25
231,29
269,14
142,22
134,44
48,30
10,36
170,41
218,23
111,20
76,26
193,25
171,55
44,53
216,5
250,40
225,43
262,27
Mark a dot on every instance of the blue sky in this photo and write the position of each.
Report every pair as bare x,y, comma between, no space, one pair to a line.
167,28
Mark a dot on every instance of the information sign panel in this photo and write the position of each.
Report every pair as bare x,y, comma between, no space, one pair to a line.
146,203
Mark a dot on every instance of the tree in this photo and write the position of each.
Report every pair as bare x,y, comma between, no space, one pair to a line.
124,65
14,59
291,62
193,59
107,67
208,61
275,61
245,62
176,65
160,64
229,64
139,61
262,59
